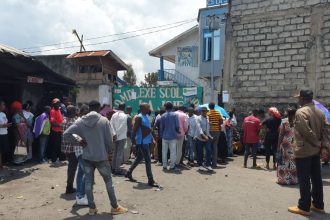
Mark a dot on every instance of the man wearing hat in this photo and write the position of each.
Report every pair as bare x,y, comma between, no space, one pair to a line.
56,120
310,138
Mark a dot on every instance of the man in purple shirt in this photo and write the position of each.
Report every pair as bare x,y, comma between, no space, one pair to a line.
169,130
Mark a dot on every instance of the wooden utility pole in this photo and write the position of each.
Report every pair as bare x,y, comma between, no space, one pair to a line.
79,39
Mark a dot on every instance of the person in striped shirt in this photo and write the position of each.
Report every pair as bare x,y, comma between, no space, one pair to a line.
216,121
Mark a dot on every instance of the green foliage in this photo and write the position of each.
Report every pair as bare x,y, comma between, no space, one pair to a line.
73,93
150,79
129,76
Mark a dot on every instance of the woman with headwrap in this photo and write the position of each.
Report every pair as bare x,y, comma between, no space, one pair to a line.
19,124
272,125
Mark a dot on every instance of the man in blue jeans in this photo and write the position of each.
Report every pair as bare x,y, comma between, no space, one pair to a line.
142,139
96,138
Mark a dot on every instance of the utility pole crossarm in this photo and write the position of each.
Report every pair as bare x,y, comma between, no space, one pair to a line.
79,39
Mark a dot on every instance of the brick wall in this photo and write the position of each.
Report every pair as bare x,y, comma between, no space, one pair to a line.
277,47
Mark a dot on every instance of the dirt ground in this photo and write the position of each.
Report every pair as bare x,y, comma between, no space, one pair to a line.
231,192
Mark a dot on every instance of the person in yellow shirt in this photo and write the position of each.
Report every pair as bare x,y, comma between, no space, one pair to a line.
216,121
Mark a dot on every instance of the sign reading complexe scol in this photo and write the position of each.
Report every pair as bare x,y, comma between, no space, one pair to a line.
157,96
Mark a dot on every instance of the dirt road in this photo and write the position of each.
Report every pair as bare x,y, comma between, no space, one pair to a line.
36,192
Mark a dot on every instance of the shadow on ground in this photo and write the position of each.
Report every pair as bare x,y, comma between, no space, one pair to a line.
15,172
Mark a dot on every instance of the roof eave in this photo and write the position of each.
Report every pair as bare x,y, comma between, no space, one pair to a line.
155,52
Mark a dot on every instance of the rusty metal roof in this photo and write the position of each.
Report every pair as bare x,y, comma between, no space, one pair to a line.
99,53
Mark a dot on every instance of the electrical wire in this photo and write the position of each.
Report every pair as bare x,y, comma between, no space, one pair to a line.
119,39
111,35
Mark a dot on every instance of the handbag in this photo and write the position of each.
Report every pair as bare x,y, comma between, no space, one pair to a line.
20,154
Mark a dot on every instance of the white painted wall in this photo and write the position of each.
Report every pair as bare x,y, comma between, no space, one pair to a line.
105,94
191,72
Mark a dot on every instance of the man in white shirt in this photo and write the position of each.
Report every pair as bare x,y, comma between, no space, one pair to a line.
119,124
192,127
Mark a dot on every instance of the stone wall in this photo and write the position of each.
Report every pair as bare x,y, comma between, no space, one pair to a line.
275,48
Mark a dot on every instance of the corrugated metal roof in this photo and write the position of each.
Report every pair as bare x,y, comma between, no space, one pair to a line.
12,51
100,53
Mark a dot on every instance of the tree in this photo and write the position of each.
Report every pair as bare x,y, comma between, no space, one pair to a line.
129,76
150,79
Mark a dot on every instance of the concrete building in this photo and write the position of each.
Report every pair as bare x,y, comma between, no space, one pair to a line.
24,78
95,73
198,53
275,48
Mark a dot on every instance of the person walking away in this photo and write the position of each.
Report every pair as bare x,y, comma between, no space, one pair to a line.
272,125
231,123
169,129
251,128
192,127
96,138
119,124
310,140
29,122
159,137
41,130
56,120
183,122
203,140
286,167
69,149
81,197
128,146
142,138
4,125
216,121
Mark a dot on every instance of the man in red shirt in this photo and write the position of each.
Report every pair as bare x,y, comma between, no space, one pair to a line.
251,127
56,120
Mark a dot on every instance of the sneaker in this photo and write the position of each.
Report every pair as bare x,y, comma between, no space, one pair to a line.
159,164
130,177
93,211
314,209
297,210
119,210
209,168
201,168
82,201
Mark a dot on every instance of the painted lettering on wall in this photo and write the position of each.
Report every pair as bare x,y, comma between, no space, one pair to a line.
157,96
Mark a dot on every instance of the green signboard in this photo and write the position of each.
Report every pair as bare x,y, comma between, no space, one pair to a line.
157,96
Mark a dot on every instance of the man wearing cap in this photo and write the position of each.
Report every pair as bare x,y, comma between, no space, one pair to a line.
310,138
56,120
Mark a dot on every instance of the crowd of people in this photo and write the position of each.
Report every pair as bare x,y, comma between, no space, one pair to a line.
92,137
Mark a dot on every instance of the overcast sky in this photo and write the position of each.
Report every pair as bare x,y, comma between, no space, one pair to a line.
27,23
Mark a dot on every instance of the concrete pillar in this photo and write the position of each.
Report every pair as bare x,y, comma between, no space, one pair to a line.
161,71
